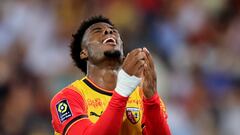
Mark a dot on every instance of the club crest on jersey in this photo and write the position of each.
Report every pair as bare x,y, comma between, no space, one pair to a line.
63,110
133,114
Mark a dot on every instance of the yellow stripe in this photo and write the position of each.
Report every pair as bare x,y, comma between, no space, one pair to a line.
56,133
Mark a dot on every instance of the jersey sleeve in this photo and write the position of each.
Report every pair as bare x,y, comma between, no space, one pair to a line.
154,117
68,105
72,119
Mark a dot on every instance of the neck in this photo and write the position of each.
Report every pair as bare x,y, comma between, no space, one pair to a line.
105,78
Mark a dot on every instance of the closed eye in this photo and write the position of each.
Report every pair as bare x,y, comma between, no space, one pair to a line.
96,30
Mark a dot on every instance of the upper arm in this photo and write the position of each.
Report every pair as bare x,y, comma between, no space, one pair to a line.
67,107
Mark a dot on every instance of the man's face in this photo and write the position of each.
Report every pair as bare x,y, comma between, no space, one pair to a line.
102,42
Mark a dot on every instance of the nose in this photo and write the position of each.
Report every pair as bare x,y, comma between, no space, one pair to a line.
108,31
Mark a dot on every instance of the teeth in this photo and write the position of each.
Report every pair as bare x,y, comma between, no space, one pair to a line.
105,41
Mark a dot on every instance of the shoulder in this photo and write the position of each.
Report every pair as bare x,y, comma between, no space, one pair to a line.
67,104
68,92
65,93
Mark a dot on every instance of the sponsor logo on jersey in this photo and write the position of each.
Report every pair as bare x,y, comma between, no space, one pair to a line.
95,114
63,110
133,114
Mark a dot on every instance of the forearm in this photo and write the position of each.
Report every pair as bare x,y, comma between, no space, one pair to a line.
155,122
109,123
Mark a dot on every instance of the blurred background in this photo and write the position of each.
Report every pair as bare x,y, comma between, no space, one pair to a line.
195,44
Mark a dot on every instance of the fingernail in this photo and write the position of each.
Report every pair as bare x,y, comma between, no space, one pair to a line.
146,49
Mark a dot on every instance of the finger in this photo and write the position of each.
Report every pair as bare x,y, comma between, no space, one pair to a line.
140,71
149,57
135,51
151,68
151,71
144,74
140,56
129,58
148,73
139,64
124,60
148,84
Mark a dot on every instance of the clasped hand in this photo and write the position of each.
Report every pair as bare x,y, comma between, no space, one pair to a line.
139,63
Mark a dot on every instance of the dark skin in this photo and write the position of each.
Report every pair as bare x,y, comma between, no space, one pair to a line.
103,70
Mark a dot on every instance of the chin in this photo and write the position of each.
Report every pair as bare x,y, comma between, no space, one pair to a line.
113,54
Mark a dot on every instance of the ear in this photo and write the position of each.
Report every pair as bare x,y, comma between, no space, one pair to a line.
84,54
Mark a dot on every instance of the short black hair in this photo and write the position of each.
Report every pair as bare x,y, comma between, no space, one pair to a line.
76,44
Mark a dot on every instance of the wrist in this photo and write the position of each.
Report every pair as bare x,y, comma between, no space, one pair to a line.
126,84
149,96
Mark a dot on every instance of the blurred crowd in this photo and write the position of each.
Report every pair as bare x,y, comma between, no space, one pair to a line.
195,44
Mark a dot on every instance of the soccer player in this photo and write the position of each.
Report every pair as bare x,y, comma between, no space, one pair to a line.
118,95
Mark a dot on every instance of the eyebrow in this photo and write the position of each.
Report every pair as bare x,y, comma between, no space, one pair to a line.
97,28
111,27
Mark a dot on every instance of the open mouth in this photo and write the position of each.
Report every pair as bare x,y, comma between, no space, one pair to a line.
109,40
